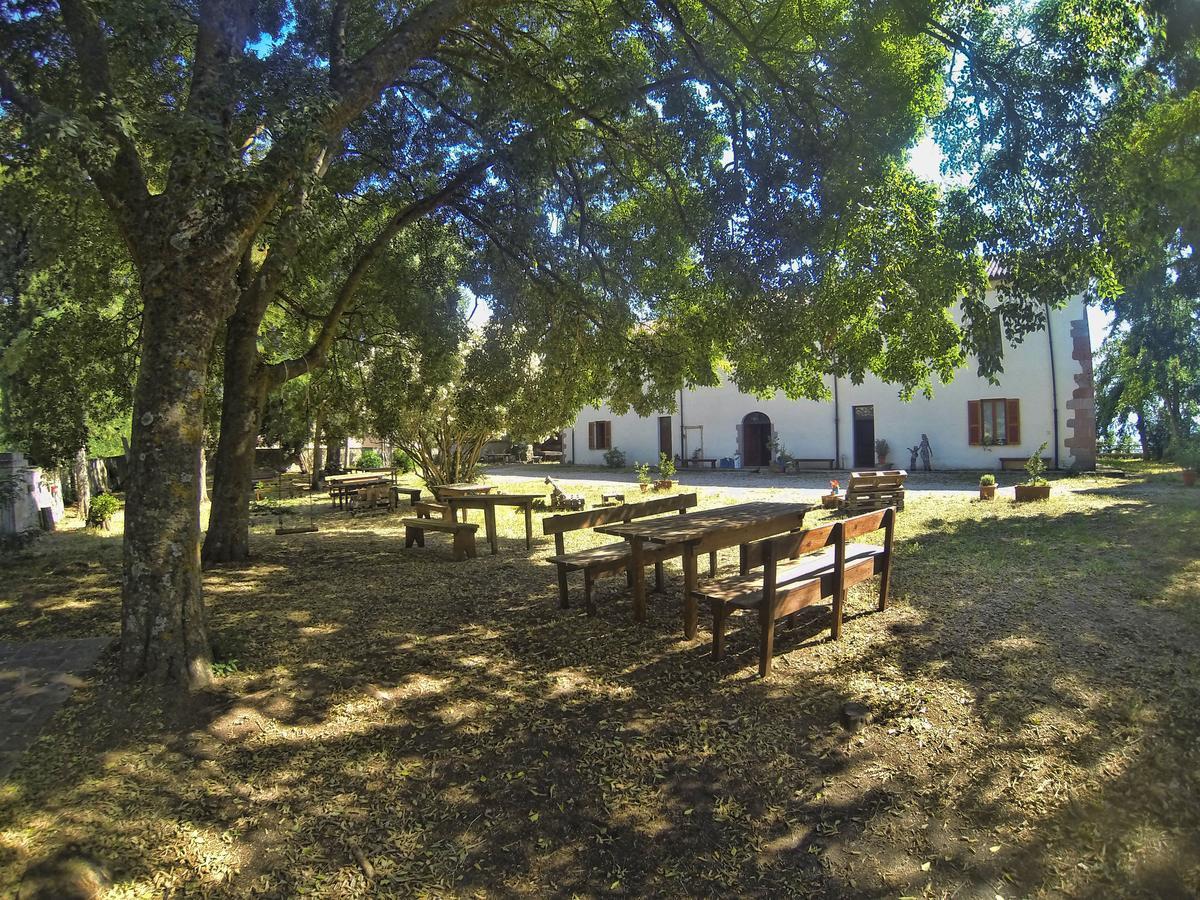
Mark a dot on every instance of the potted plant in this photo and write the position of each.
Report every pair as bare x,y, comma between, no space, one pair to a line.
831,500
987,486
778,454
643,475
1036,487
882,451
666,473
1188,456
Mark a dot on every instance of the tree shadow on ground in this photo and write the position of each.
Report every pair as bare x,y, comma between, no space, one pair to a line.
402,723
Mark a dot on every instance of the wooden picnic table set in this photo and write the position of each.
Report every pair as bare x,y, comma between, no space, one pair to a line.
782,567
451,505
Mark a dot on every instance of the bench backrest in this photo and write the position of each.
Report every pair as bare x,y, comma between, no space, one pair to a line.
837,534
608,515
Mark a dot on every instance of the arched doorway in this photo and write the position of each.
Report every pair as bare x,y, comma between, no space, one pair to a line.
756,440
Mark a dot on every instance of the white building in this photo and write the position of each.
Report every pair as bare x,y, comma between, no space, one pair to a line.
1044,394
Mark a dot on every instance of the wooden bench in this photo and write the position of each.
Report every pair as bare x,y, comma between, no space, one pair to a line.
429,509
413,494
464,534
1017,463
695,462
608,559
799,570
797,465
875,490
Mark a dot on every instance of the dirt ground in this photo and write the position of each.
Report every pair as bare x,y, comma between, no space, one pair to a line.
392,723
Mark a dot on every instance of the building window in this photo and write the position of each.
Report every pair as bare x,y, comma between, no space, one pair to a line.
600,435
993,423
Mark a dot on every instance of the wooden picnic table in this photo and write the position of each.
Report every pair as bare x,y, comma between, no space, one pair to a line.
488,503
461,489
700,532
380,471
348,484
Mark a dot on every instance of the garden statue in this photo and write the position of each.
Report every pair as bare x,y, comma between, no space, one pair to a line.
926,453
912,459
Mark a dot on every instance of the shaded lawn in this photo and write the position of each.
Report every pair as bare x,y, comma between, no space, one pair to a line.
444,728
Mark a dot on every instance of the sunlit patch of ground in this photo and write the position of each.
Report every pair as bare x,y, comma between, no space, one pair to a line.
390,723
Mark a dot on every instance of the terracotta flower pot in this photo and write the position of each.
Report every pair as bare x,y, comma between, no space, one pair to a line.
644,486
987,491
1189,477
664,484
1026,492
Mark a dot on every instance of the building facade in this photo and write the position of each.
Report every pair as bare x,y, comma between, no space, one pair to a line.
1045,393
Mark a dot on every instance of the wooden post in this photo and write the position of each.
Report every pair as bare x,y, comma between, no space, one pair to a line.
639,579
690,613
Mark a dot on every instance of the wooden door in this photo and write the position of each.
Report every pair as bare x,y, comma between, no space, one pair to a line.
864,437
756,440
664,436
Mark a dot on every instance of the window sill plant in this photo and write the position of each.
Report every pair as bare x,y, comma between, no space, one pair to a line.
1035,487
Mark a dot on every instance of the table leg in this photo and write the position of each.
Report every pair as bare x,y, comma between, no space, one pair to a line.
528,526
690,612
639,579
489,524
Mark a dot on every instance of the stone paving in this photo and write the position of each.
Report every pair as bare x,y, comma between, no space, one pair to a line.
36,677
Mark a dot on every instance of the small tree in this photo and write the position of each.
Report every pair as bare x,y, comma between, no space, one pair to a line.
666,466
1035,466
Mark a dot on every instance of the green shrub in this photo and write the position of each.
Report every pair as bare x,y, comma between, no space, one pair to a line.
370,459
987,479
1187,454
666,466
1035,466
403,461
643,472
101,510
615,458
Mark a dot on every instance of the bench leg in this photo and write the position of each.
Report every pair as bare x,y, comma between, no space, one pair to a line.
564,600
489,523
588,583
766,642
712,564
839,606
528,527
659,580
414,536
885,578
720,615
464,545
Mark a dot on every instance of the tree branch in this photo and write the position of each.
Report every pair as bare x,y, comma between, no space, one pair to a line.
314,357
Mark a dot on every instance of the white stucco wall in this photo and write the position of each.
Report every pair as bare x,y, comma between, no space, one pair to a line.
806,428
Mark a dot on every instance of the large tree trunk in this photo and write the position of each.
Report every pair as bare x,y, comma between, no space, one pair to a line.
83,483
228,537
163,633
